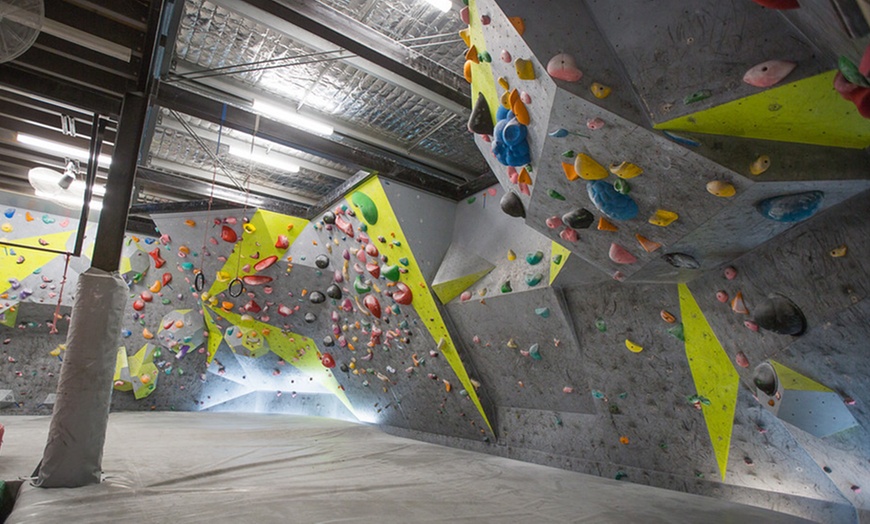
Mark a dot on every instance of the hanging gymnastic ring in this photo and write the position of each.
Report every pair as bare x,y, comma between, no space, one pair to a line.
240,288
199,281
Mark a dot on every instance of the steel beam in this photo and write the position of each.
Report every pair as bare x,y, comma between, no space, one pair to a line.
47,87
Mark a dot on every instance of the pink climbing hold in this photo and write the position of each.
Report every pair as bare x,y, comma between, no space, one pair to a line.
371,250
730,273
569,235
265,263
554,222
595,123
464,15
146,296
485,20
741,359
567,389
513,175
750,325
620,255
722,296
344,226
228,234
465,296
525,97
864,65
563,67
506,56
768,73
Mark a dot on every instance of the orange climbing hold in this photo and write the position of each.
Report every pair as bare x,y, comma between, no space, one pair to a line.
518,24
667,316
738,305
521,112
524,177
648,245
471,54
466,70
603,223
571,174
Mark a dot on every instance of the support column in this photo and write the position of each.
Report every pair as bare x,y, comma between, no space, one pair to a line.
74,450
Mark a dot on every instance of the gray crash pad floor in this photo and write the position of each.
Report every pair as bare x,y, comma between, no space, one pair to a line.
233,467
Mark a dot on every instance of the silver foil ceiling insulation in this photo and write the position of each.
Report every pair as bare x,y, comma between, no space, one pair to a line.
211,37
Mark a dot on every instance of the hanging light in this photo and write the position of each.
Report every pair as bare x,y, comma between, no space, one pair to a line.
69,176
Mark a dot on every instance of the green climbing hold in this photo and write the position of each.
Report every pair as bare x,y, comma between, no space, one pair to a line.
555,195
534,258
557,259
620,475
599,323
361,287
506,287
535,352
621,186
397,243
597,394
543,312
391,272
166,301
472,200
568,154
534,280
363,227
677,332
851,73
404,261
697,96
485,57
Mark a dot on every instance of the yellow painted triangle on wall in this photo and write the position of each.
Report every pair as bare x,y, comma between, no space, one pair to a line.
10,316
808,111
791,379
482,79
714,375
33,258
214,334
424,301
449,290
555,250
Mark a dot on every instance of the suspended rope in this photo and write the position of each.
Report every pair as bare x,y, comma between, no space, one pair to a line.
57,315
237,280
199,279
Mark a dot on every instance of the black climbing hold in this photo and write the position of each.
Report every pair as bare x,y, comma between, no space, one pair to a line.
333,291
322,261
344,368
779,314
764,378
329,217
578,218
316,297
681,261
480,121
310,317
512,205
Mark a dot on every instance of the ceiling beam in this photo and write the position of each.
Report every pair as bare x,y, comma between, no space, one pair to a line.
52,88
323,29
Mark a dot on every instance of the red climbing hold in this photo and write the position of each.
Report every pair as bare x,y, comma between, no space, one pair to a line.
282,242
138,305
256,280
253,307
228,234
374,270
167,278
265,263
344,226
371,250
371,303
778,4
327,360
158,260
403,295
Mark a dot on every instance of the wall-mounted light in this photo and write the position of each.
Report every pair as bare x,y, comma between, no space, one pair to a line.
262,158
61,149
293,118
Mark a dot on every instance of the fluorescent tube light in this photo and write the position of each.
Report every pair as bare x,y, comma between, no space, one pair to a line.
441,5
293,118
72,200
61,149
264,159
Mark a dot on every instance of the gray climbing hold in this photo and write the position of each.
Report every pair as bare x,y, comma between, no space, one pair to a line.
321,261
329,217
779,314
328,341
316,297
578,218
333,291
512,205
480,121
310,317
681,261
791,208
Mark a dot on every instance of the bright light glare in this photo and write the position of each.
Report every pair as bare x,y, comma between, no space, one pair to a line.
263,159
62,149
441,5
293,118
69,199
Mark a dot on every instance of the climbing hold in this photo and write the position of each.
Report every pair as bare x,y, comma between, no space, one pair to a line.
146,334
265,263
543,312
521,113
480,121
791,208
759,165
512,205
316,297
722,296
155,287
634,348
138,305
600,325
391,272
511,256
563,67
471,54
249,228
464,15
720,188
667,316
158,260
681,261
344,226
838,252
778,4
485,19
569,235
578,218
506,287
730,273
697,96
321,261
595,123
738,305
663,218
329,217
228,234
600,91
741,360
367,206
552,193
620,255
864,65
570,172
374,270
768,73
606,225
6,227
534,258
554,222
523,177
166,279
648,245
677,332
779,314
518,23
403,294
256,280
625,170
621,187
535,352
851,73
534,280
588,169
9,213
525,69
334,292
327,360
751,326
361,286
613,204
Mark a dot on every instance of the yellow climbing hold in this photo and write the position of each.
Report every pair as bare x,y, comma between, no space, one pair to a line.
7,227
600,91
663,218
838,252
465,34
525,69
223,276
625,170
503,82
633,347
249,228
588,168
156,286
511,255
760,165
721,189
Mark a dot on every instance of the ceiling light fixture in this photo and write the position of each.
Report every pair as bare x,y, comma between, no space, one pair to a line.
441,5
60,149
264,159
293,118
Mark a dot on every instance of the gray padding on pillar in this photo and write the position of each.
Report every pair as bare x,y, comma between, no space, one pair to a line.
74,450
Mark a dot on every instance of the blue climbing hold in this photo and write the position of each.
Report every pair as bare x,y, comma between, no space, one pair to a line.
509,140
9,213
610,202
559,133
791,208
